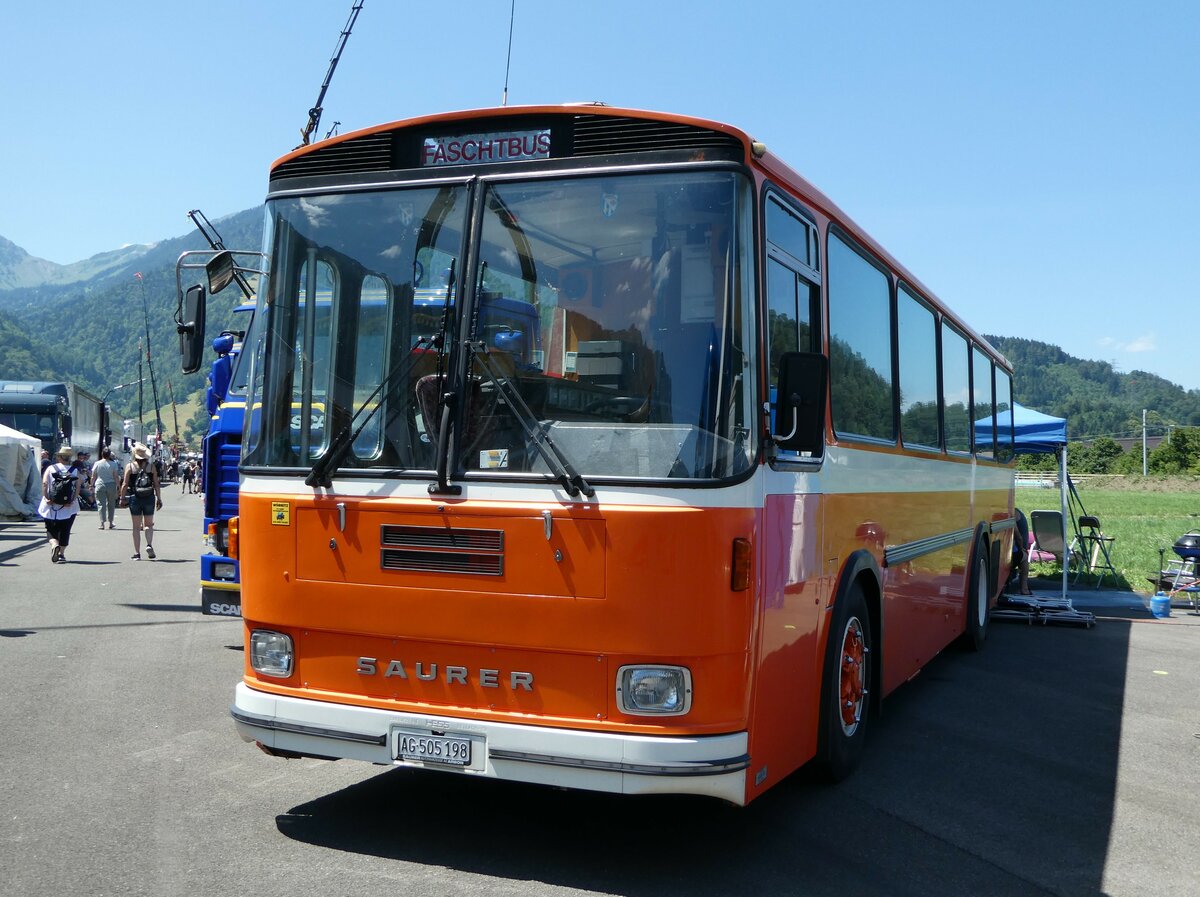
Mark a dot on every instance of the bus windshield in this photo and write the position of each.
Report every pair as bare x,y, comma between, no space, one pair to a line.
610,313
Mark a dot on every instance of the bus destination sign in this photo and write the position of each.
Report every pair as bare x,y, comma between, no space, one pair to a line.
474,149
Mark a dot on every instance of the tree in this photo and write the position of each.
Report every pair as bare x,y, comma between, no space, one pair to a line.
196,428
1180,454
1097,456
1128,463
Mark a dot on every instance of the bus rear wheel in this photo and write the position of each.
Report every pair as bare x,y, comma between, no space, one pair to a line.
846,686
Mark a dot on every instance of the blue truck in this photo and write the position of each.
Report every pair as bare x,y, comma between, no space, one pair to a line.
225,399
220,584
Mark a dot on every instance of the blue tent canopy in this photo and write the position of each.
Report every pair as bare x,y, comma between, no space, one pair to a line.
1035,433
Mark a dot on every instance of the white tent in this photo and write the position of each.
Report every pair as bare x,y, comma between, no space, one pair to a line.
20,480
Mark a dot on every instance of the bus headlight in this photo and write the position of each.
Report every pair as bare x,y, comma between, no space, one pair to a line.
271,653
654,690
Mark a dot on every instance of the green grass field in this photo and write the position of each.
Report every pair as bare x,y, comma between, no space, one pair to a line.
1143,515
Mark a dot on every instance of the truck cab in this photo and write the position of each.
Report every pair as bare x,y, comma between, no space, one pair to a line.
220,586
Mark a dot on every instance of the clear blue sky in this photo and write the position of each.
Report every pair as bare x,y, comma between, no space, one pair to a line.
1034,163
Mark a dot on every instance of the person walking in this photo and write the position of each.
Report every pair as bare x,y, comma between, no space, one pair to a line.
59,504
82,468
104,487
141,488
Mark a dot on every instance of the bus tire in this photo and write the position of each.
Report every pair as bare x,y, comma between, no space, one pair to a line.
845,697
978,592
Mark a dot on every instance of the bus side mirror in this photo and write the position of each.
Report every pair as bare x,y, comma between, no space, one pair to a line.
191,330
220,270
800,402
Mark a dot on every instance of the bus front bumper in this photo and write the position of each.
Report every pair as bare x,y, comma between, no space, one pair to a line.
713,765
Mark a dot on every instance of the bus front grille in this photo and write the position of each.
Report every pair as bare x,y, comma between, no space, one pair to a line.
442,549
443,562
603,134
442,537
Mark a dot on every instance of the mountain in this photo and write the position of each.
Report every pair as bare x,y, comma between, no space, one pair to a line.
83,322
27,281
20,270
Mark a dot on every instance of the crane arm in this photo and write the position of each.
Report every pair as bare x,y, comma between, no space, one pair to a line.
314,114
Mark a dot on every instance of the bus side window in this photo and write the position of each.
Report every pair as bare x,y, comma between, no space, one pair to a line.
793,294
860,345
983,404
956,415
1004,416
917,328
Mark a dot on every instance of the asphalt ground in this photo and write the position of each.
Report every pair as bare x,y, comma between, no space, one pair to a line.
1060,760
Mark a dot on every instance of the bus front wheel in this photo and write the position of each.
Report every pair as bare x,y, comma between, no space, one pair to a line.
845,688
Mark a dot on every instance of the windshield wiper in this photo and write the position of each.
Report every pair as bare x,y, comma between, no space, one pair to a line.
571,479
341,442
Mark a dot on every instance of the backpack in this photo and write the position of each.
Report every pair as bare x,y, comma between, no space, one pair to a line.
143,483
62,487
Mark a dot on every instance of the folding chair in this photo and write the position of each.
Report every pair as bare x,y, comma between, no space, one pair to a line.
1095,547
1047,530
1036,555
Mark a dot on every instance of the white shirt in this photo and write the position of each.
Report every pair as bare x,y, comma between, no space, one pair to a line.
57,512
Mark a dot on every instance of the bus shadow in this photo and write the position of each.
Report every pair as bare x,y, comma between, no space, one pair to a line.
171,608
18,538
992,773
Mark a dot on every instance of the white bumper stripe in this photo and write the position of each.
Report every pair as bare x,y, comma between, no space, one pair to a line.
712,765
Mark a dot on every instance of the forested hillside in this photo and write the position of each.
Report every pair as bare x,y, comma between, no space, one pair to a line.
1095,399
89,332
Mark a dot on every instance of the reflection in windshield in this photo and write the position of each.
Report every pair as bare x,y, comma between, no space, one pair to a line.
616,308
632,353
241,365
350,287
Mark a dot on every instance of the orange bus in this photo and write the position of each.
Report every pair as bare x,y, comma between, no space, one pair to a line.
730,477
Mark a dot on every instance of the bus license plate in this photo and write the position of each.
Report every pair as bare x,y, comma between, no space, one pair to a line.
429,748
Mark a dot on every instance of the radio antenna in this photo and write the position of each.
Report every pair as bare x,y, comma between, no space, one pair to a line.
512,14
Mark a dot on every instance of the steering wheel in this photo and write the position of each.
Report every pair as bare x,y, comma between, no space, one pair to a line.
617,406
